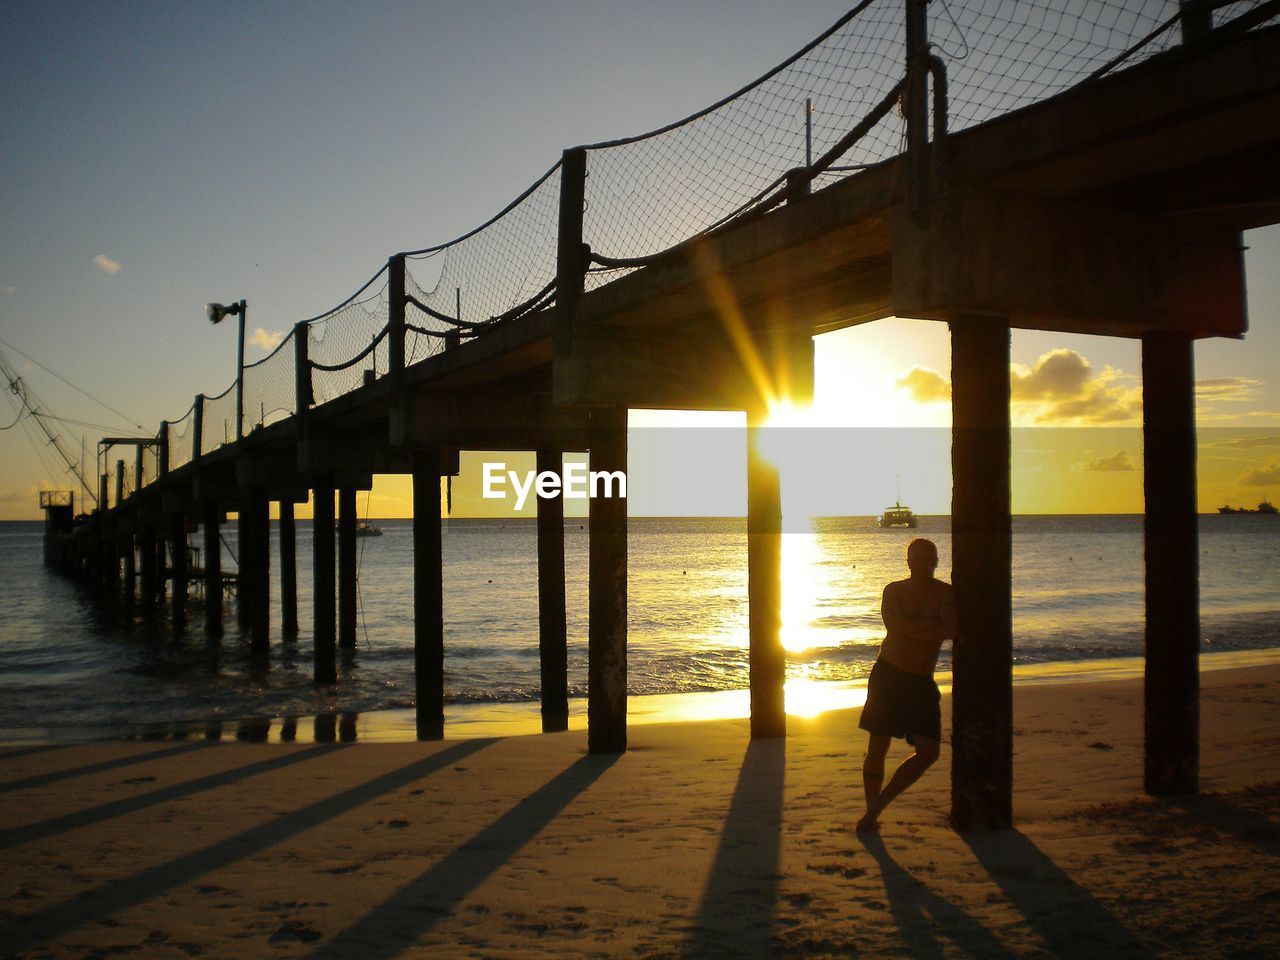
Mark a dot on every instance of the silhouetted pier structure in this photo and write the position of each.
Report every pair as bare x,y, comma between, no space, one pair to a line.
1115,207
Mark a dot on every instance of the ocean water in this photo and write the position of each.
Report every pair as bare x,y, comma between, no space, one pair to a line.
67,661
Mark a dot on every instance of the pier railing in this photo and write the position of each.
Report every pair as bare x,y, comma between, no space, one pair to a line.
836,107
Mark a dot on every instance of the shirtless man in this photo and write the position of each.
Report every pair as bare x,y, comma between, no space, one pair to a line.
902,697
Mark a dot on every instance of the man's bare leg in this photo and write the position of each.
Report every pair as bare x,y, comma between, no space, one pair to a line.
908,772
873,778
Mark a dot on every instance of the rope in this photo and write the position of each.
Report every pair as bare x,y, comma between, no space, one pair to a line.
758,205
330,368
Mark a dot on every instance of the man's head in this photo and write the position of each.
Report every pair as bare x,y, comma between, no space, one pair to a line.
922,557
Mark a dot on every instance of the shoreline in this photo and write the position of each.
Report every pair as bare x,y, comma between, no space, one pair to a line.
472,721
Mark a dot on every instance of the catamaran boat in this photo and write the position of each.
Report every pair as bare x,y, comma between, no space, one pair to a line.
898,516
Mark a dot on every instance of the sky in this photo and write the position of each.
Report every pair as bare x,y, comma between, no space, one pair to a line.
161,155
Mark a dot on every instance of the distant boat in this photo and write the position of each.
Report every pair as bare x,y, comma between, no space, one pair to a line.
898,516
363,529
1266,506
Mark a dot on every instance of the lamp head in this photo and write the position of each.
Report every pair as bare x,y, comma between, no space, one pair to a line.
216,311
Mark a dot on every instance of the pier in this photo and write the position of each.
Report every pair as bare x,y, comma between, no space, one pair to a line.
1114,208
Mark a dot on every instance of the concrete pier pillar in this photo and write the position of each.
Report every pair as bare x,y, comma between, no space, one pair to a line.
1171,534
255,566
764,586
347,568
552,628
288,570
178,542
981,537
428,595
147,561
212,569
244,548
324,600
162,566
607,591
128,546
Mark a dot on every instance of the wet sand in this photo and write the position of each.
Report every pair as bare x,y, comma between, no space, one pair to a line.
694,843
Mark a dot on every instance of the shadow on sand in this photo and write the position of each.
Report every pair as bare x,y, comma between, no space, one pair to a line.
1064,915
118,808
54,776
923,917
394,925
96,905
742,889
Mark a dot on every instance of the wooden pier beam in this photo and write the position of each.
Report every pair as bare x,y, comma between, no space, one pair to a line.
323,590
768,664
981,538
428,595
1171,535
288,570
347,567
552,627
607,591
178,542
211,520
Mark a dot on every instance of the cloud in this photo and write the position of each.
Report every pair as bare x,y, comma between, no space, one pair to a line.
925,385
1118,462
1060,387
8,291
1250,442
1267,475
106,264
1232,389
266,339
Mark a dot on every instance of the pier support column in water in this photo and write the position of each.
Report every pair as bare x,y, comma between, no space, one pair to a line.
607,590
764,586
128,544
428,595
1171,533
288,570
347,568
212,569
323,599
981,538
244,559
255,566
147,558
178,539
552,629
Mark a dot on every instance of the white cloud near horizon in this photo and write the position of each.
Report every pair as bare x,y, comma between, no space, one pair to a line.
106,264
1118,462
266,339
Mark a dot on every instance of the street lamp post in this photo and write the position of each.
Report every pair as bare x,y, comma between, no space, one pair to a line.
215,312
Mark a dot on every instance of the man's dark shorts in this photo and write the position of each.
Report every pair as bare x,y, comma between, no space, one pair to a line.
901,704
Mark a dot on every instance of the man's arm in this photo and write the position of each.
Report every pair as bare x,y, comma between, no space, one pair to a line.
900,624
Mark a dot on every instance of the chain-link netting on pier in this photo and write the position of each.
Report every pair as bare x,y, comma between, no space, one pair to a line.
1005,54
219,420
340,337
181,439
485,274
269,386
646,194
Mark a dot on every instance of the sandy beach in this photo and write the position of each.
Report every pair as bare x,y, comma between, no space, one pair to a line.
694,843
